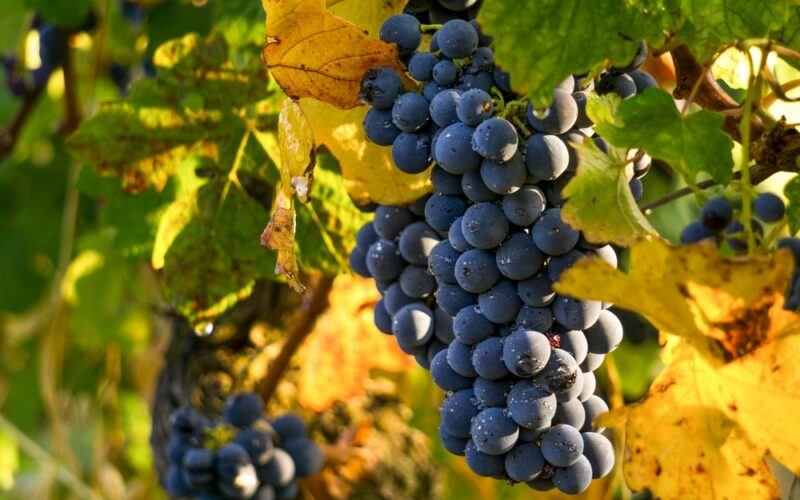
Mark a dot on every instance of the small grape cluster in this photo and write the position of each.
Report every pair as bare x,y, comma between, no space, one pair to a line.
244,456
720,222
52,50
519,358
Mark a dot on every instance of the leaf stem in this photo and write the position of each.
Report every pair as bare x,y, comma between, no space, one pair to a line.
754,86
315,302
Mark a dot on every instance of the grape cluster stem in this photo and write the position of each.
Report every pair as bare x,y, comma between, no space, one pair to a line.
314,304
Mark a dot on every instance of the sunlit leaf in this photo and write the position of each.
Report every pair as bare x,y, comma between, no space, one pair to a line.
314,53
345,346
297,147
691,143
191,109
600,202
368,171
731,359
211,253
9,461
561,37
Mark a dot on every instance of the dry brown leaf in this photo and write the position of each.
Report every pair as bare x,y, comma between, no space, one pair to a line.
279,236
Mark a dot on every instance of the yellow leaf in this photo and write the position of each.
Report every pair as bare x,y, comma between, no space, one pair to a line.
366,14
313,53
368,171
731,388
692,291
298,150
681,443
344,347
279,236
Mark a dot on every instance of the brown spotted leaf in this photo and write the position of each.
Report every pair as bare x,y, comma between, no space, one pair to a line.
313,53
730,387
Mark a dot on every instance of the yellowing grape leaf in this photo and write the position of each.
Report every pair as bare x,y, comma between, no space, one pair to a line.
730,388
600,201
313,53
344,347
279,236
366,14
298,150
368,171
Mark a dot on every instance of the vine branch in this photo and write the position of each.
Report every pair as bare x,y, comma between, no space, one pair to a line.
314,304
776,150
9,136
72,112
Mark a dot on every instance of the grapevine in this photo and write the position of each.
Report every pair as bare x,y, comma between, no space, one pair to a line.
441,249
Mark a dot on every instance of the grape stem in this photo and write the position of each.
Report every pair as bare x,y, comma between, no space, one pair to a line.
315,302
427,28
759,173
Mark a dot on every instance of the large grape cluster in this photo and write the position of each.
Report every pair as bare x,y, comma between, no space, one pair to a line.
243,456
519,358
720,222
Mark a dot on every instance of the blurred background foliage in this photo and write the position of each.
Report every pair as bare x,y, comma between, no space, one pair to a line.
85,319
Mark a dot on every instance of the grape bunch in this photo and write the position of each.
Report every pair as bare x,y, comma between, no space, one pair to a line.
519,359
243,456
720,222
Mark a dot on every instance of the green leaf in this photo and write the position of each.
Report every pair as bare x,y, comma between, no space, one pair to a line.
327,225
63,13
713,23
201,69
792,193
215,258
149,142
107,295
9,461
600,202
160,124
564,37
11,23
690,143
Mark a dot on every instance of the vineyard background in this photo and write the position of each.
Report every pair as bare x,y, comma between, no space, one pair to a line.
98,324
